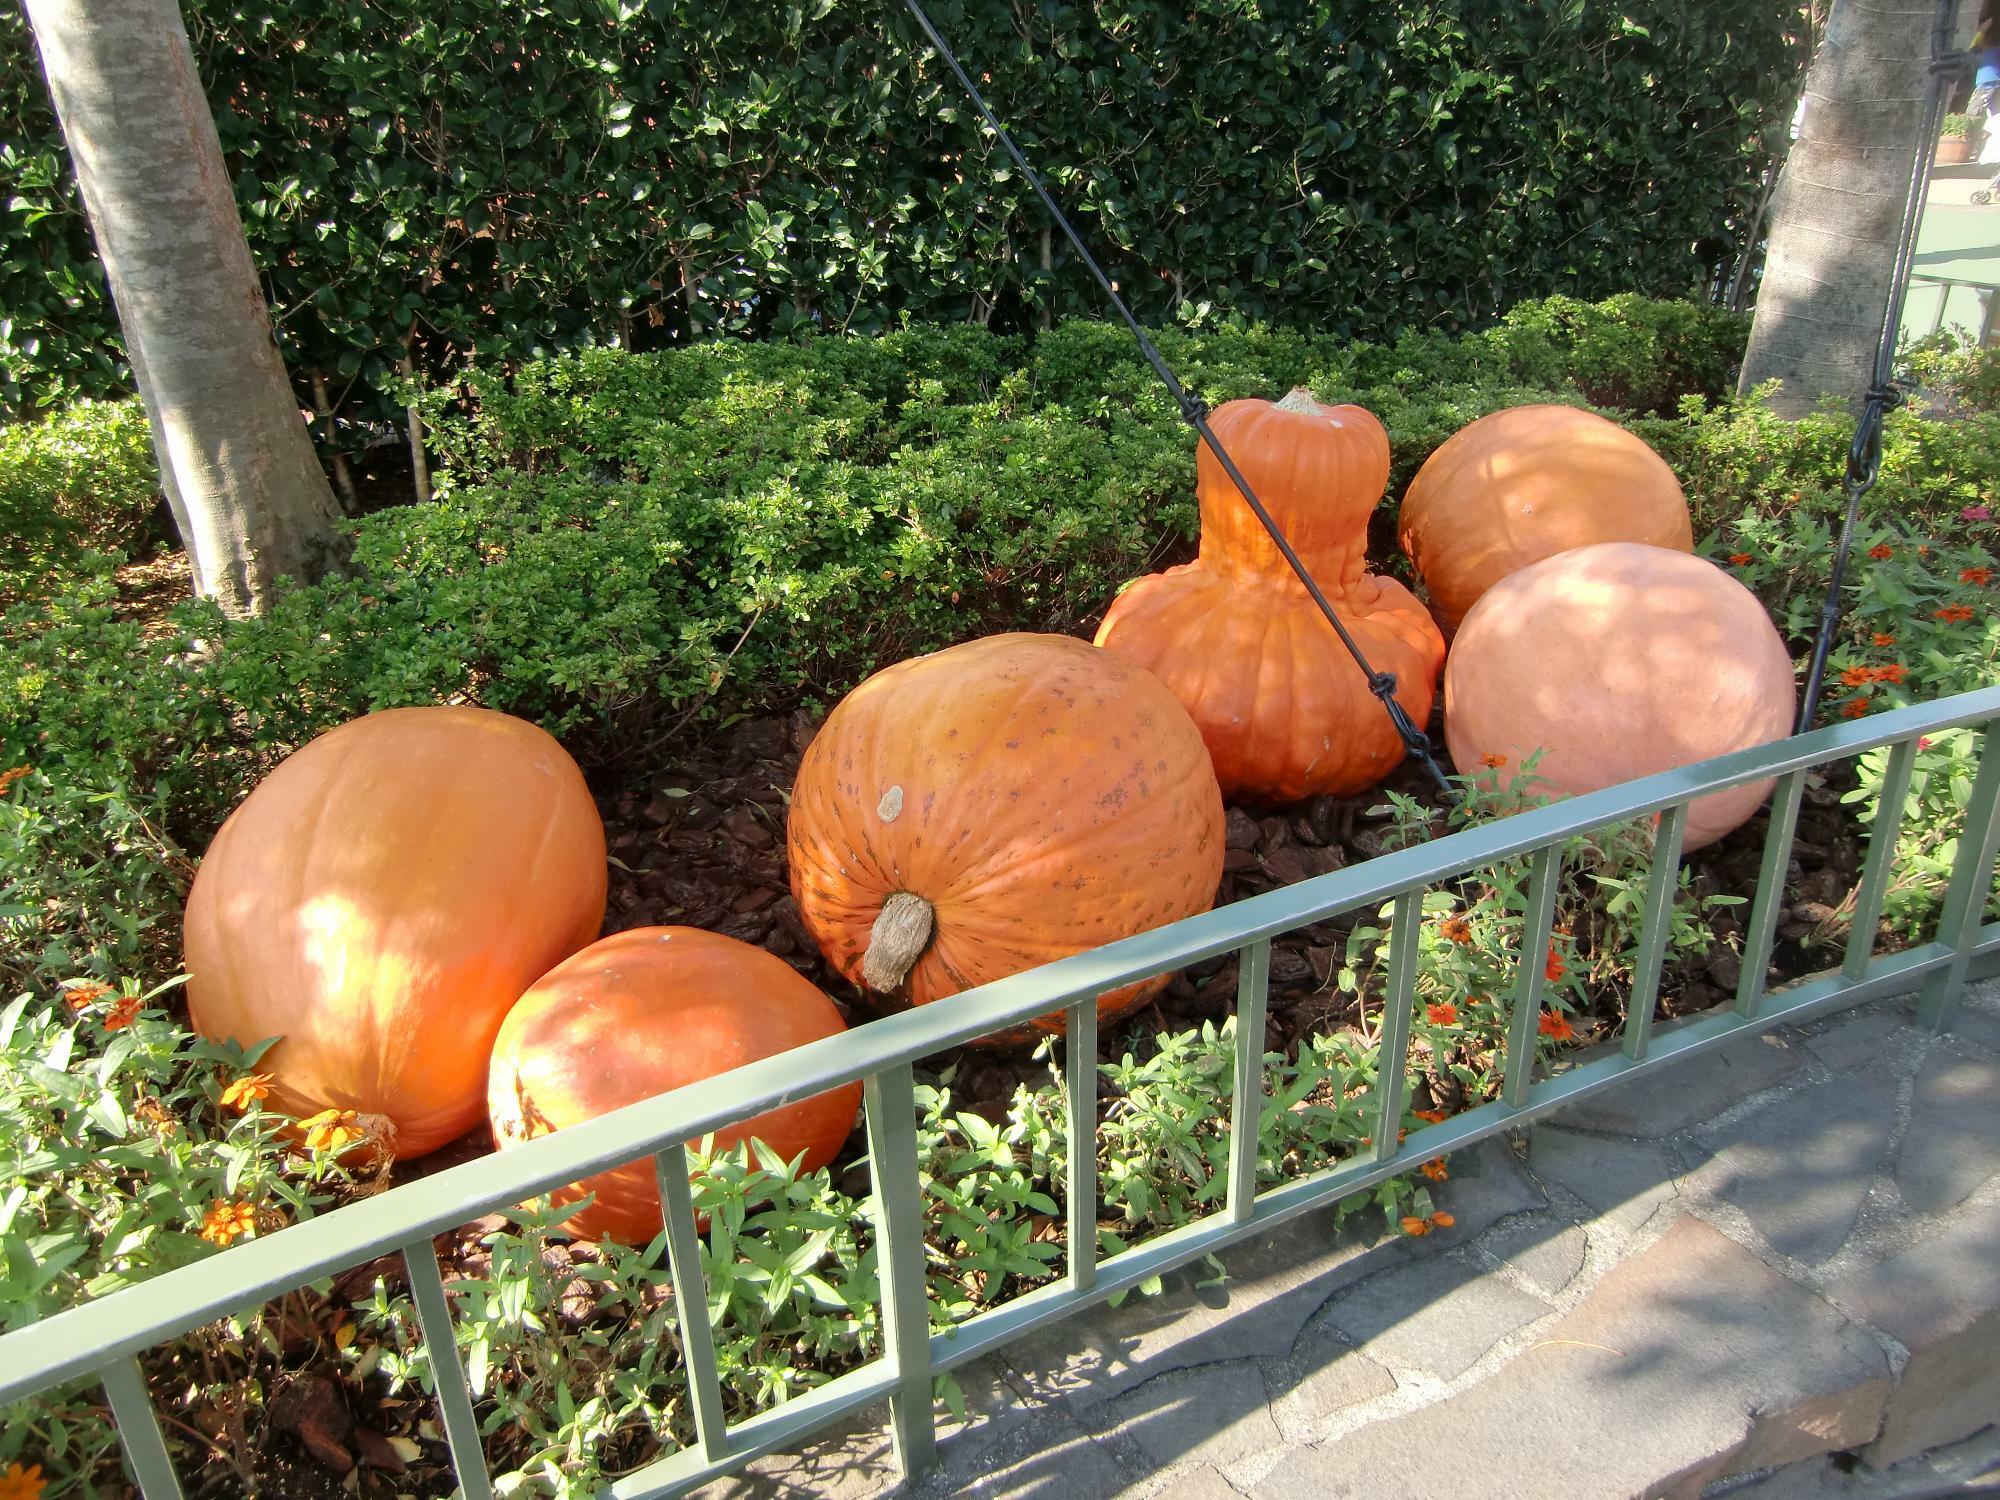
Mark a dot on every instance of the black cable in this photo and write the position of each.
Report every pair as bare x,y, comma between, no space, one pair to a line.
1864,455
1194,411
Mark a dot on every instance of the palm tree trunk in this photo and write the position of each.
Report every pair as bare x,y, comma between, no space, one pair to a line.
236,460
1838,207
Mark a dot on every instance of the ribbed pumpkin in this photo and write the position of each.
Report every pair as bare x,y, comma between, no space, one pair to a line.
970,814
381,899
642,1012
1526,483
1618,661
1283,708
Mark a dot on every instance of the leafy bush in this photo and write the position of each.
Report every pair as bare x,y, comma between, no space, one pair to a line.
80,479
494,184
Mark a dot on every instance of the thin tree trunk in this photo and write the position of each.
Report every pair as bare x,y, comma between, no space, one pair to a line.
1836,211
343,477
236,460
420,469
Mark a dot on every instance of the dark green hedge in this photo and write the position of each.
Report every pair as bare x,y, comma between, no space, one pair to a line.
508,180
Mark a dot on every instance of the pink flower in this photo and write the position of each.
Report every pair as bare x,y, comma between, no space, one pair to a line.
1976,513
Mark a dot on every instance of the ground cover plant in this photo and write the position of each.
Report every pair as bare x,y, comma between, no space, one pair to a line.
676,563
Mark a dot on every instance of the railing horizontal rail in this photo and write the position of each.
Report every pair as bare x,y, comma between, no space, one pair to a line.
86,1339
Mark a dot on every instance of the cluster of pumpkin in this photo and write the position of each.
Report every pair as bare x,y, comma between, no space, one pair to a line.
412,901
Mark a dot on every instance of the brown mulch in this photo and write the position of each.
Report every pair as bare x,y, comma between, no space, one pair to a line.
703,845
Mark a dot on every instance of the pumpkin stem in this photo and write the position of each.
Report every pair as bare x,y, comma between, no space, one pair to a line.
1299,399
897,941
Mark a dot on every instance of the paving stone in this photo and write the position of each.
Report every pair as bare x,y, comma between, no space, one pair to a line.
1623,1182
1862,1039
1801,1172
1486,1184
1953,1143
1276,1282
1546,1251
1979,1027
1941,1300
1324,1375
1668,1100
1048,1457
1438,1315
1689,1361
1198,1483
1215,1414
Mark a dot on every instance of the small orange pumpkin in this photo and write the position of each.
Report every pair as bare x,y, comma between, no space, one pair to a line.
1283,708
966,815
644,1012
1523,484
381,899
1618,661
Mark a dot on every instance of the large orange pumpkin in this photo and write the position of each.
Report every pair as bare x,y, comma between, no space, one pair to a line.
1283,708
643,1012
970,814
381,899
1523,484
1617,661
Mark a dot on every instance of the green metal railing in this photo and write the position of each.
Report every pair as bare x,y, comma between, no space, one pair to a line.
103,1339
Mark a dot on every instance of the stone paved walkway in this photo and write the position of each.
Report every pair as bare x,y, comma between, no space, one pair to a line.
1772,1271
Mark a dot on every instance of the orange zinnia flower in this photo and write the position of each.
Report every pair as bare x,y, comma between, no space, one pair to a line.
1884,640
1881,552
1739,558
123,1014
1435,1170
226,1221
1894,672
17,1483
7,780
245,1092
1976,575
1491,761
1953,614
1553,970
1415,1227
1435,1116
1457,929
85,992
1442,1219
332,1130
1443,1015
1857,676
1855,708
1555,1025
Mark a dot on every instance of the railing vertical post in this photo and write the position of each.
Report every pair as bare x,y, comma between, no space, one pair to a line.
1657,922
1971,879
1881,861
454,1394
1525,1023
139,1429
1080,1088
1246,1093
1392,1064
1770,898
889,1100
670,1166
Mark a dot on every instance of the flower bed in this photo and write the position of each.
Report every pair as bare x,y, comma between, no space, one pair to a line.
678,595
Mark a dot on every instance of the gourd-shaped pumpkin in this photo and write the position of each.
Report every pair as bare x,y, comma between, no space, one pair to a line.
1283,708
1523,484
1618,661
966,815
643,1012
381,899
